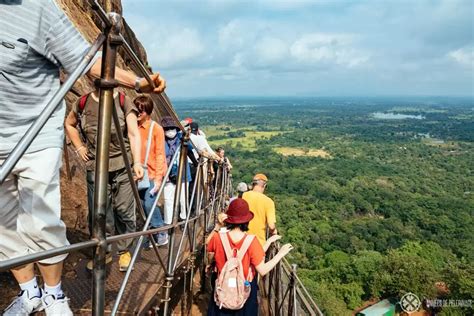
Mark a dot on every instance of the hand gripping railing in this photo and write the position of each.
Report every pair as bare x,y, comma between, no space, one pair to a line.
284,292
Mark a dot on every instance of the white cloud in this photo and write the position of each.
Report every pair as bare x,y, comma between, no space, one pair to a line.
464,56
286,4
324,48
271,50
253,42
177,46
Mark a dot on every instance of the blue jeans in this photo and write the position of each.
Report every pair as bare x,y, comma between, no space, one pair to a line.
147,202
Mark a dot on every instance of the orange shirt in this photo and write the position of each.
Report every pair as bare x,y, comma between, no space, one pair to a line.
253,257
157,157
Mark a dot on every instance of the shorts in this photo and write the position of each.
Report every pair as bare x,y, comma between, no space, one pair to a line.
30,200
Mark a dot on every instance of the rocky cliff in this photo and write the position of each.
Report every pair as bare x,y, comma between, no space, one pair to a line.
89,24
73,187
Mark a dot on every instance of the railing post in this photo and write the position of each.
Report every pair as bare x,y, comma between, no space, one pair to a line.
106,103
292,307
277,275
176,209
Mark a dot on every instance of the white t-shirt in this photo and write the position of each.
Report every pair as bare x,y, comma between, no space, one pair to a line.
201,144
36,40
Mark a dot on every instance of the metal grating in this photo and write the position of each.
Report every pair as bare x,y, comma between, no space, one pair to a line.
143,286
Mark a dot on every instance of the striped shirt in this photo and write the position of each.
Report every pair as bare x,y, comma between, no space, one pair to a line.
36,40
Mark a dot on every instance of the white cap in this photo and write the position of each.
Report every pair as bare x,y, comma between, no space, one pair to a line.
242,187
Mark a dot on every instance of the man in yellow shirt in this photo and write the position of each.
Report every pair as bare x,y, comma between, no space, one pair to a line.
262,207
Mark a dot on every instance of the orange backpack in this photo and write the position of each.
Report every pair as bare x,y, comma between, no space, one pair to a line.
232,289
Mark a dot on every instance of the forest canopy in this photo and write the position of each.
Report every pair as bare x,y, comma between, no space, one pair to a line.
388,210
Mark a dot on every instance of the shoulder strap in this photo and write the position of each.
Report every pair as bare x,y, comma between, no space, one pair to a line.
122,100
245,246
225,242
82,103
148,143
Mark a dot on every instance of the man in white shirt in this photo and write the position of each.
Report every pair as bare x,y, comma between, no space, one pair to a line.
200,143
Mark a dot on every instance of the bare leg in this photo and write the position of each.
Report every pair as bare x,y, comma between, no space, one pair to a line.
51,272
24,273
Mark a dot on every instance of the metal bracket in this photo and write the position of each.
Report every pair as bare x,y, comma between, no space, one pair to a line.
106,84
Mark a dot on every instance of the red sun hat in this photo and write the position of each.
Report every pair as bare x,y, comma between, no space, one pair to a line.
238,212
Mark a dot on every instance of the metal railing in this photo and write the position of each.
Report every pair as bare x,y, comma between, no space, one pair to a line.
207,198
283,291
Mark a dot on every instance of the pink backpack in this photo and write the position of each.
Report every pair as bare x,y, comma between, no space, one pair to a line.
232,289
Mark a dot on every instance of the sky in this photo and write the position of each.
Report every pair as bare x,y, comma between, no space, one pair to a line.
218,48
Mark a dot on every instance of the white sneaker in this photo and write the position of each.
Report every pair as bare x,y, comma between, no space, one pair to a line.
56,306
22,305
162,240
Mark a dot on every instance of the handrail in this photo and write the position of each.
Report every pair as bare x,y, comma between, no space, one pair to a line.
144,72
296,297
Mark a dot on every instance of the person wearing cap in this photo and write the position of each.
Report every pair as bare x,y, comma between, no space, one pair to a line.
242,187
263,208
201,144
202,148
237,224
186,123
173,138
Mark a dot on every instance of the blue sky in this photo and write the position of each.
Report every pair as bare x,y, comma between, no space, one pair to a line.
308,47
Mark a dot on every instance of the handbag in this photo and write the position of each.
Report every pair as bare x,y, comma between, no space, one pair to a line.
144,183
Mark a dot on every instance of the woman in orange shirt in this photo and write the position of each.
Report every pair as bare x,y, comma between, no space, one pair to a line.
237,220
152,134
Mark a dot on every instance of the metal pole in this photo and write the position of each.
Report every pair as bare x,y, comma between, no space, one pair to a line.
140,240
66,159
185,229
176,210
52,105
292,308
277,275
106,103
145,74
34,257
193,246
204,237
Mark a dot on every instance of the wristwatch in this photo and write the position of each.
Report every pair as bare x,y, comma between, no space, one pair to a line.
137,84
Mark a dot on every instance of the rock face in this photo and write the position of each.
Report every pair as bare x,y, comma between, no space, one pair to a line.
80,12
89,24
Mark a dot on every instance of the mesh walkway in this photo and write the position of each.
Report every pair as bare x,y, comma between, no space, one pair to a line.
143,287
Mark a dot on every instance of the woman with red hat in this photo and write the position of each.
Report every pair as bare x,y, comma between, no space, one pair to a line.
236,221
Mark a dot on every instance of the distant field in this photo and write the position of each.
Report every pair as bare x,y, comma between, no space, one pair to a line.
215,130
289,151
248,141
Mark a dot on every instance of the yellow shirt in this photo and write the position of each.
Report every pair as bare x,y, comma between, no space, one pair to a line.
263,209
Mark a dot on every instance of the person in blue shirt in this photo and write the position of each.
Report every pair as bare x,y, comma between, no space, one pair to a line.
173,139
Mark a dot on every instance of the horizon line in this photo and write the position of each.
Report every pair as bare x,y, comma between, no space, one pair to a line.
322,96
